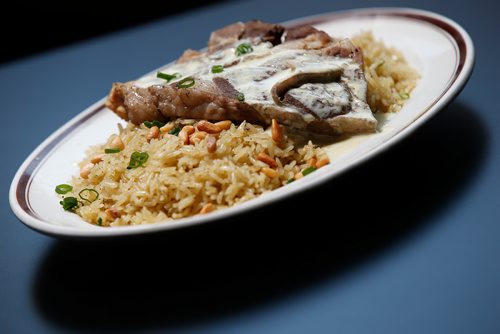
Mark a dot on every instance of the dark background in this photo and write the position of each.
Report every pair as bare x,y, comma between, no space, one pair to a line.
421,255
28,29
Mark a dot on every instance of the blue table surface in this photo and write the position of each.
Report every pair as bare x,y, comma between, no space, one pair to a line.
420,256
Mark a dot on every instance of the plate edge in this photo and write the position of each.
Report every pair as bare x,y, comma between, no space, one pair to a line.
31,163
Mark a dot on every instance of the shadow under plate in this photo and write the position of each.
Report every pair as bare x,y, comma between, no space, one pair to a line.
207,272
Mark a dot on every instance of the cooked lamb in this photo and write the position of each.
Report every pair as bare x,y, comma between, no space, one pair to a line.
301,77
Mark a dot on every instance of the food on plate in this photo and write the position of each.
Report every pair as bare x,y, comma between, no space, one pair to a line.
226,125
183,168
390,78
257,72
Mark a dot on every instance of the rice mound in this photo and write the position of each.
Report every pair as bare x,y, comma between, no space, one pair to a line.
390,78
177,180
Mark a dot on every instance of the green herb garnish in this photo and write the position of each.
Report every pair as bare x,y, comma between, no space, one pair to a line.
88,195
380,64
186,83
149,124
175,131
243,48
217,69
404,95
290,180
308,170
137,159
63,189
99,221
111,150
69,203
240,97
168,77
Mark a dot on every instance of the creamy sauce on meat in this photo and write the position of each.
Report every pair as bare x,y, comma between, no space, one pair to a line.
256,73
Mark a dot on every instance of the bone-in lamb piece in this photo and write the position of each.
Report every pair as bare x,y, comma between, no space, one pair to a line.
301,77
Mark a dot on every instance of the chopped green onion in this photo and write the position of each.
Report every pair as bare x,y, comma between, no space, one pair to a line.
290,180
217,68
168,77
99,221
240,97
88,195
63,189
175,131
243,48
380,64
186,83
137,159
404,95
69,203
308,170
149,124
111,150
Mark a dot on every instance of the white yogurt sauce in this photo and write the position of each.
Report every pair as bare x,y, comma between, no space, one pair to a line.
257,72
347,145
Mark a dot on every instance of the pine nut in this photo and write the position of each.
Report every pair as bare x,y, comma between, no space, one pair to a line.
267,160
112,213
85,171
272,173
223,125
117,143
209,207
97,159
167,127
196,137
154,132
322,162
312,162
211,144
185,133
276,131
208,127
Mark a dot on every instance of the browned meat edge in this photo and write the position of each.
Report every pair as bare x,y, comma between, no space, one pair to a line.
217,100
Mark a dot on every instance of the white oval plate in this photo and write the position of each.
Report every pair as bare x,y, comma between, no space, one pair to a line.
437,47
